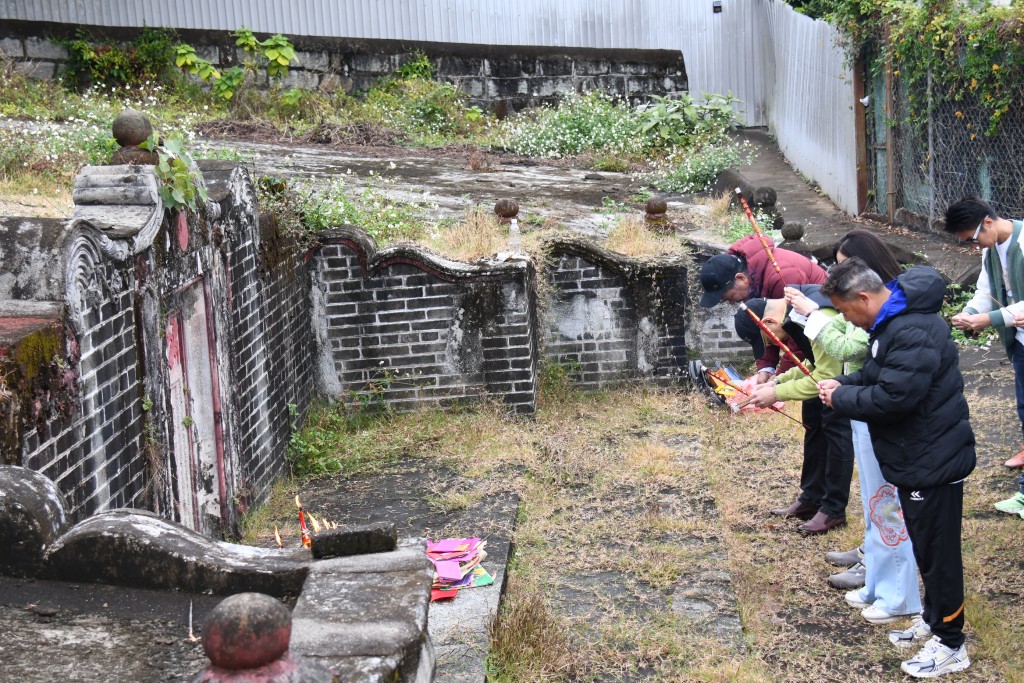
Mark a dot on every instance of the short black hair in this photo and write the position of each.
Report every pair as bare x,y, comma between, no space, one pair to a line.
747,329
967,213
852,276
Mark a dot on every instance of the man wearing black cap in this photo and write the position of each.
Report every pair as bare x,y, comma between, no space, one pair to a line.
744,272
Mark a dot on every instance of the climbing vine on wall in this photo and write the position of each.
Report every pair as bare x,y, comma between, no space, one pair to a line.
974,51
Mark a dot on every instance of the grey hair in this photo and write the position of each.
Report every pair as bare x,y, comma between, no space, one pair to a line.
849,278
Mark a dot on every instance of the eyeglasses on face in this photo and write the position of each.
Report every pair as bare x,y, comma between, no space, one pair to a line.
974,239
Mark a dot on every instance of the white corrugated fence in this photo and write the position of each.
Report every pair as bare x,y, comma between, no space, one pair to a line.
722,51
810,101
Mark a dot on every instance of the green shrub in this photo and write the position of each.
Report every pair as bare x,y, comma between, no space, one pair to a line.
589,123
307,208
147,58
681,122
419,66
418,107
275,54
693,170
611,163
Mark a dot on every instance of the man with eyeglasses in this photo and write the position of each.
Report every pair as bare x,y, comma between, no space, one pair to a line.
999,299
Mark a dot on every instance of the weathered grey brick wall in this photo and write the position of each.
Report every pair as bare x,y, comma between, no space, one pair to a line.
411,329
188,348
271,341
718,338
92,455
521,76
611,318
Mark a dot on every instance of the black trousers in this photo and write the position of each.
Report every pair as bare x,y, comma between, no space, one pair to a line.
828,459
934,517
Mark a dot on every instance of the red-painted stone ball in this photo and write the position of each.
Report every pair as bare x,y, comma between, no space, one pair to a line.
247,631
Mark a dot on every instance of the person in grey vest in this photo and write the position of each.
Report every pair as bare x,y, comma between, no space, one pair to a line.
998,300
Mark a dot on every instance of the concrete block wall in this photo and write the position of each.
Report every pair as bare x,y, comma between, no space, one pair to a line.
407,328
518,76
611,318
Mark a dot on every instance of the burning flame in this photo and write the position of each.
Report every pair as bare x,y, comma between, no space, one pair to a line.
277,537
316,524
303,529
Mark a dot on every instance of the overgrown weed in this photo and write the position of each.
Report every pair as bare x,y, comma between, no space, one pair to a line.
475,237
528,640
631,236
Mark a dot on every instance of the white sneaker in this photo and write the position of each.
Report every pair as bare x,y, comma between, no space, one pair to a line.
853,599
877,615
935,659
906,638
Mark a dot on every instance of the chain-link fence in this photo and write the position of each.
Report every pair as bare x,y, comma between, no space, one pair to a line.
942,156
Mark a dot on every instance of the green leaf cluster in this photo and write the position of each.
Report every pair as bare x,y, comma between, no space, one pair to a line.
181,181
147,58
419,66
275,54
973,50
680,121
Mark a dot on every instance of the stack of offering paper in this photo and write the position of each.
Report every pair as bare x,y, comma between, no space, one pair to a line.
457,565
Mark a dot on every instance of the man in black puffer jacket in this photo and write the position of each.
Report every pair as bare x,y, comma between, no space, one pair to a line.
910,392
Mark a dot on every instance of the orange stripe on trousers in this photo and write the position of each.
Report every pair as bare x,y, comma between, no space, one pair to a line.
954,615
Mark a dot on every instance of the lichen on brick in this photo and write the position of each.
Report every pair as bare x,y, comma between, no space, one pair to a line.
37,386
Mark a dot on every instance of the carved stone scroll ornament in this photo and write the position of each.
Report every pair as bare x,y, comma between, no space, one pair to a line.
85,282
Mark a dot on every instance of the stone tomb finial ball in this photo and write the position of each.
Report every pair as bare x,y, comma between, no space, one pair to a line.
656,205
131,128
765,197
247,631
792,232
506,208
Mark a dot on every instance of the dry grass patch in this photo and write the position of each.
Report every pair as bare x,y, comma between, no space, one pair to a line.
477,236
632,498
529,642
33,196
801,627
719,208
631,237
711,212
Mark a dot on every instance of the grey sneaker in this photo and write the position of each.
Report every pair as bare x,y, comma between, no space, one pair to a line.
935,659
845,559
853,599
906,638
851,579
